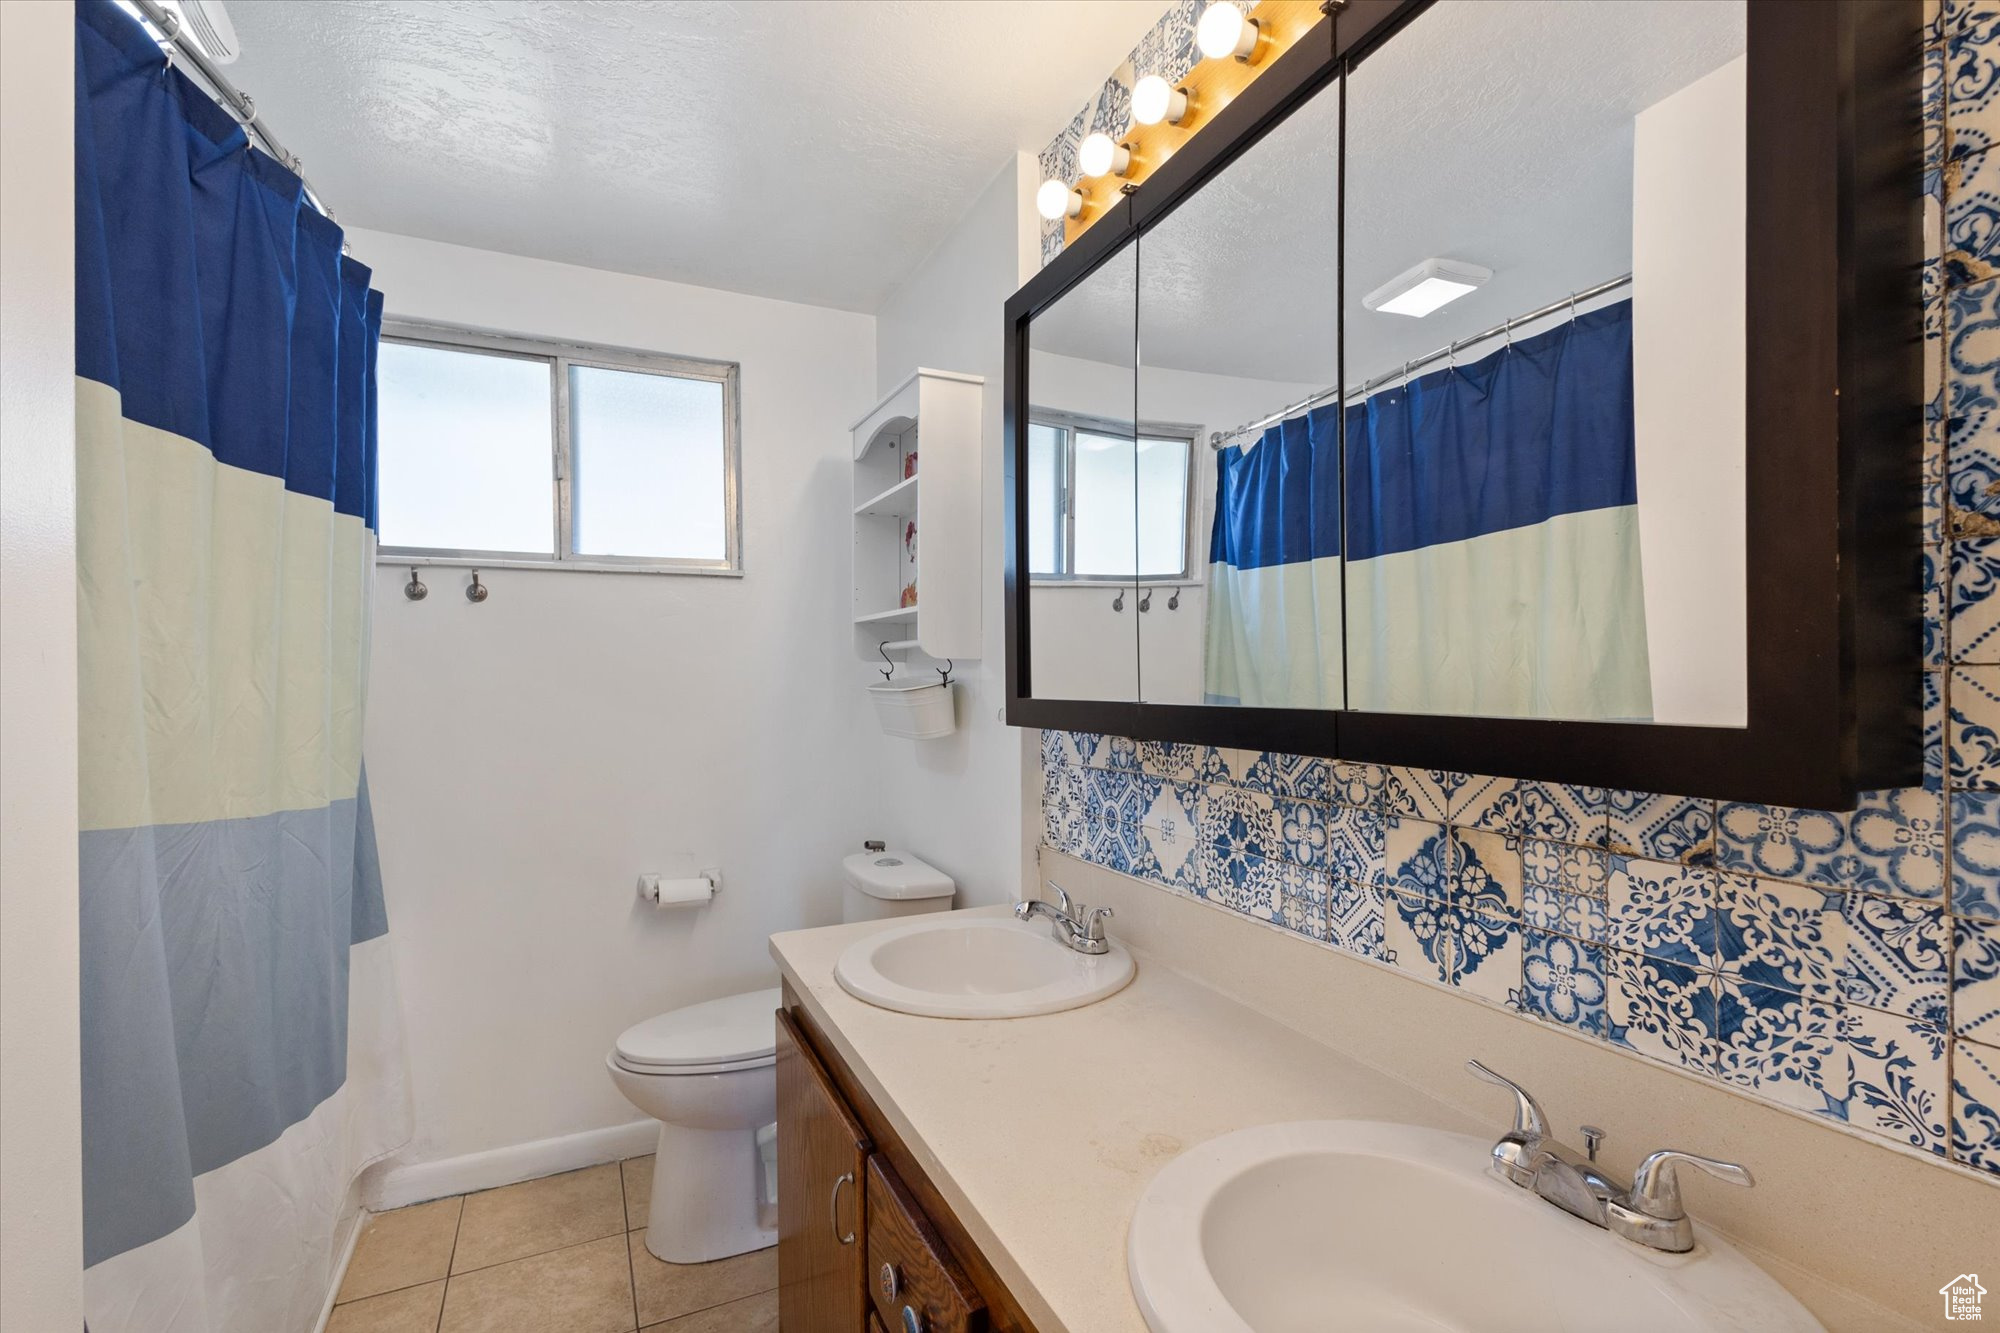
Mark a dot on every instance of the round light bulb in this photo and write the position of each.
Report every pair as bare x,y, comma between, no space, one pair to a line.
1099,153
1224,31
1151,99
1057,200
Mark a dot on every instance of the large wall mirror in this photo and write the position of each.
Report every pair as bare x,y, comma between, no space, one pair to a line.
1454,400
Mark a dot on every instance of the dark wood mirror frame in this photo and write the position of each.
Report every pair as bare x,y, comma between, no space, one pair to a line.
1834,389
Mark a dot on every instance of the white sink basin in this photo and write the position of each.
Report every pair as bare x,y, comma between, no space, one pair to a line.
977,967
1329,1225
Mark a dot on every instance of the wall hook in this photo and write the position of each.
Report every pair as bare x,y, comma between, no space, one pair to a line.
1118,602
1146,600
415,589
1174,602
889,664
477,592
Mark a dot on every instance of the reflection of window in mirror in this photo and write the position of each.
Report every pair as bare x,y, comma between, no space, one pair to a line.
1098,508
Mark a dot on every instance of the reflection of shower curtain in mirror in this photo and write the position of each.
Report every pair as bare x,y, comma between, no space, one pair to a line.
1273,635
1492,539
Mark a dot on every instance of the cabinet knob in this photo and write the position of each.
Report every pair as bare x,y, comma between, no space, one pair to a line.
889,1282
912,1321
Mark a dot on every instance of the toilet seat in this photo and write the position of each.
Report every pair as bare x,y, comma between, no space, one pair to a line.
715,1037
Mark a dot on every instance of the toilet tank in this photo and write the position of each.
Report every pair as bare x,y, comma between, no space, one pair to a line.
891,883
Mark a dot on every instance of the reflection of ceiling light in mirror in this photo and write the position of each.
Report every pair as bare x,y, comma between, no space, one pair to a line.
1100,153
1057,200
1155,100
1431,284
1224,31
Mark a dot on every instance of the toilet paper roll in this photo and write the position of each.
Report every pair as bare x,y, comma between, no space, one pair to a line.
669,894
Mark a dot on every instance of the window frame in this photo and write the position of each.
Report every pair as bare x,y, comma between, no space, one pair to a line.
559,357
1069,423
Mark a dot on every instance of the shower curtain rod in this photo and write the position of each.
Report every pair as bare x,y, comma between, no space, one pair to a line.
1218,438
166,26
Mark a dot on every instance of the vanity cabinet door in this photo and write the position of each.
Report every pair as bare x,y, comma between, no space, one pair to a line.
916,1285
822,1218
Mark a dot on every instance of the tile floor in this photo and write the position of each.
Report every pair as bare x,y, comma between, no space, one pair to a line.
564,1254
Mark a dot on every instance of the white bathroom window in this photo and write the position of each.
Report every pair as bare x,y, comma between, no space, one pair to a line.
1102,509
504,451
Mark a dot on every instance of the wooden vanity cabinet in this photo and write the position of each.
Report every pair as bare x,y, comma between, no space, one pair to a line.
822,1211
908,1249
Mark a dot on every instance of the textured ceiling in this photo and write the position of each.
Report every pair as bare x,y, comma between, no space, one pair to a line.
1498,134
812,152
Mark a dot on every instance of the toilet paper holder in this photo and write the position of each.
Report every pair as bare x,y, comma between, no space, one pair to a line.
663,892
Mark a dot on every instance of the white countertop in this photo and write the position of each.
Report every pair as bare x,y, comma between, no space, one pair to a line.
1043,1132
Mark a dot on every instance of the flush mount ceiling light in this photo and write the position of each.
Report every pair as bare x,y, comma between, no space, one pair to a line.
1155,100
1100,153
1431,284
1057,199
1225,31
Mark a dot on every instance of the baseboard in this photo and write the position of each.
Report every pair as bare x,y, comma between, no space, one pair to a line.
340,1266
402,1184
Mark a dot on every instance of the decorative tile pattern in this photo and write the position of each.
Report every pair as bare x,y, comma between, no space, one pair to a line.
1421,793
1562,980
1975,608
1896,1078
1975,980
1662,911
1785,936
1974,728
1972,405
1975,1105
1786,1047
1355,844
1660,1009
1295,776
1660,828
1354,917
1894,956
1975,854
1487,803
1844,963
1893,843
1563,814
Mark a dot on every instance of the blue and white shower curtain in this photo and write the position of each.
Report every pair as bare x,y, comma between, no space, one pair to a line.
1490,537
242,1042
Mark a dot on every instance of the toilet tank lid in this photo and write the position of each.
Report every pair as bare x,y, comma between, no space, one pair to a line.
895,875
733,1028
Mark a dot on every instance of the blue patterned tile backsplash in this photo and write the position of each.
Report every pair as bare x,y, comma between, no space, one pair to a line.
1843,964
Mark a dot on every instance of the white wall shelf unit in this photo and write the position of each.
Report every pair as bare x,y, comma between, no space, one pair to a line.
919,523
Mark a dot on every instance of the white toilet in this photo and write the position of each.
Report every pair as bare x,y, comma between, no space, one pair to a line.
706,1074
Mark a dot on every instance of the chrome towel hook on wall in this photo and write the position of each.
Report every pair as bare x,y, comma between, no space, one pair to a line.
477,592
415,589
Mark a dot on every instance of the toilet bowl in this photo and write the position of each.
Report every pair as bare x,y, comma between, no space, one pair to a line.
708,1074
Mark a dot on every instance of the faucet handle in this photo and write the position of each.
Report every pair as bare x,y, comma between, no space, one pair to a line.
1529,1122
1656,1189
1062,898
1093,921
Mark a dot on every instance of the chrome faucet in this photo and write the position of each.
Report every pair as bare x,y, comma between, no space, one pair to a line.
1073,924
1649,1212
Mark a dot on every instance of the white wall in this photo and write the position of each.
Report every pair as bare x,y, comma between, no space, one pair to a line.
531,755
957,801
41,1158
1688,266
